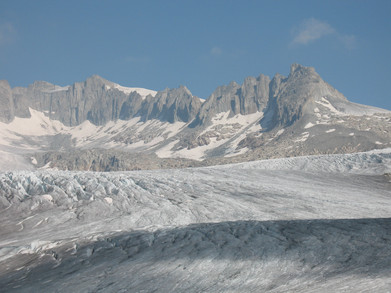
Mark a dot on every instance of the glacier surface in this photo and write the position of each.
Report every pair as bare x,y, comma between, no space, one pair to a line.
317,223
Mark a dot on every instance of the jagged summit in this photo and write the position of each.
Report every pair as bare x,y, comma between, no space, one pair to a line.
250,97
98,78
297,68
99,100
297,95
171,105
96,81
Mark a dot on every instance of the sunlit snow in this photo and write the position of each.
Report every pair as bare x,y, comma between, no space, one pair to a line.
128,90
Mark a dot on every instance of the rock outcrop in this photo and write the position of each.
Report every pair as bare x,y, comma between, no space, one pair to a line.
6,102
293,97
97,100
171,105
250,97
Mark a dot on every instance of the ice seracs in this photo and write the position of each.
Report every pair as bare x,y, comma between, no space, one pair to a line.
306,224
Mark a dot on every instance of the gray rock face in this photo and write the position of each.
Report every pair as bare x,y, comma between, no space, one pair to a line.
293,97
90,100
250,97
171,105
6,102
96,100
286,100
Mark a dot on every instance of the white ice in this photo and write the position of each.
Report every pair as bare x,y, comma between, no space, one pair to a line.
306,224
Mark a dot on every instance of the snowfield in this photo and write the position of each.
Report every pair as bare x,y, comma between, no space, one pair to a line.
306,224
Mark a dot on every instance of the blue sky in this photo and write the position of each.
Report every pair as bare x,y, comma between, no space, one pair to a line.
200,44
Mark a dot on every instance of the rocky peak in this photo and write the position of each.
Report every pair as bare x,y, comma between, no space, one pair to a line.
171,105
248,98
254,94
225,90
4,85
41,86
97,80
275,85
185,90
296,95
300,69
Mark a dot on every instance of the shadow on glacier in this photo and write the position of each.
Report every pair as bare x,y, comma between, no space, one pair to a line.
342,247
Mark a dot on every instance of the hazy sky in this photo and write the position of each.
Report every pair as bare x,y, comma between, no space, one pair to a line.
200,44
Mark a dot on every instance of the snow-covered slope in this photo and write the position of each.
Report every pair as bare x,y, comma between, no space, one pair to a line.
302,224
40,133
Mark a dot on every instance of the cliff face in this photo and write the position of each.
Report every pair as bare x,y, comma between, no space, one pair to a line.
99,100
6,102
91,100
171,105
96,100
250,97
293,97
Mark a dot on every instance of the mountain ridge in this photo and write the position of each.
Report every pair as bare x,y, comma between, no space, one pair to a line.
299,114
253,95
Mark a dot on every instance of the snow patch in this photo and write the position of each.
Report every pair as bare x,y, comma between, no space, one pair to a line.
57,88
173,128
243,120
304,136
165,151
109,200
128,90
47,197
325,103
198,153
237,152
47,166
221,123
37,125
309,125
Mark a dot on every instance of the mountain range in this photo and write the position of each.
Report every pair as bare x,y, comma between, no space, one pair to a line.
102,126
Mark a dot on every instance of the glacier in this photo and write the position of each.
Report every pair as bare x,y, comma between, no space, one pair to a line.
303,224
